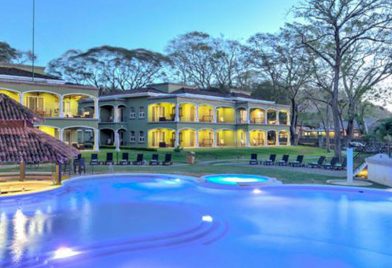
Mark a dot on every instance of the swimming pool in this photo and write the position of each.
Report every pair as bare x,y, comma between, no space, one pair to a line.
238,179
174,221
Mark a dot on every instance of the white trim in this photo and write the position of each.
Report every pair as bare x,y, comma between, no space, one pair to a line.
29,79
42,91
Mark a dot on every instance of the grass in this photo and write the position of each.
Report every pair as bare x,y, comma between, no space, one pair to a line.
207,157
207,154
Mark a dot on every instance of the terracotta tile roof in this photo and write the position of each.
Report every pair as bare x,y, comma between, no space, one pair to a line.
19,140
24,73
12,110
32,145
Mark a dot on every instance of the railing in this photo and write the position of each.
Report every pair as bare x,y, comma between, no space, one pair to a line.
206,143
257,120
206,118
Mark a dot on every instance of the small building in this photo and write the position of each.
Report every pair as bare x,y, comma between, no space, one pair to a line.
170,115
57,102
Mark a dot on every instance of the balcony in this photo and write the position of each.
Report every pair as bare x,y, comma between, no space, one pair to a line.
161,112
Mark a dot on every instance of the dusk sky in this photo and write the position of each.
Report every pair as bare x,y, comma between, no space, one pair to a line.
82,24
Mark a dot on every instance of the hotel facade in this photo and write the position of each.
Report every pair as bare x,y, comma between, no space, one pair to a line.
57,102
171,115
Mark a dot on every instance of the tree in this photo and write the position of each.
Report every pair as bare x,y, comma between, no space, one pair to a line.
333,28
362,72
110,68
279,59
206,62
9,54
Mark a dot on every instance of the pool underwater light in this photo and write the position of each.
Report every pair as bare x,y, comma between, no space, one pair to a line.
256,191
64,252
207,218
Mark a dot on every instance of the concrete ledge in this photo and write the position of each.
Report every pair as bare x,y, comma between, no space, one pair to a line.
354,183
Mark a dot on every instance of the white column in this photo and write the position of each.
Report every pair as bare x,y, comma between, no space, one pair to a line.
214,115
277,143
247,137
265,117
177,141
21,98
197,113
96,108
61,134
266,139
214,142
116,114
277,118
248,116
96,139
61,106
196,139
350,165
177,116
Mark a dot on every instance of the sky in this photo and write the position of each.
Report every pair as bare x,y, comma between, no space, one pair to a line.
83,24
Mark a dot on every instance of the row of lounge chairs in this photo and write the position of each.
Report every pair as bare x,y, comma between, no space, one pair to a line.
126,161
298,162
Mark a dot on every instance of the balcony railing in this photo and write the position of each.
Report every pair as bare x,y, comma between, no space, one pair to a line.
257,120
46,113
206,118
206,143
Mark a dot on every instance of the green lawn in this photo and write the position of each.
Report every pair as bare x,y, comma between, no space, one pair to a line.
207,164
219,153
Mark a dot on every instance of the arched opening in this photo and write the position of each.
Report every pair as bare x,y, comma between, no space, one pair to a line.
206,113
72,106
161,138
271,137
225,137
81,138
257,116
271,117
122,133
206,138
12,94
43,103
225,115
257,138
121,113
106,137
187,112
241,138
187,137
161,112
283,137
106,113
52,131
242,116
283,118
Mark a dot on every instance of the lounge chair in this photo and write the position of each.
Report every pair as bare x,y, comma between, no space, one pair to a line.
332,163
253,159
109,159
284,161
139,160
168,160
271,160
94,160
124,159
298,162
340,166
154,160
317,164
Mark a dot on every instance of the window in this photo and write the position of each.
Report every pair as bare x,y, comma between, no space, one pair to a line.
35,103
132,114
141,112
141,136
132,137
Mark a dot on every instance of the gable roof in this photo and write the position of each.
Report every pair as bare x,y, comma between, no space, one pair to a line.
12,71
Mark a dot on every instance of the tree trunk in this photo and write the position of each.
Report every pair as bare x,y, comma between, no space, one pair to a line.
293,123
335,112
350,122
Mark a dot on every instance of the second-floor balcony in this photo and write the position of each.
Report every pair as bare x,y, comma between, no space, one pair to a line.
161,112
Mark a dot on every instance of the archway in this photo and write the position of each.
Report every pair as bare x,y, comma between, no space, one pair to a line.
106,113
187,112
43,103
206,113
225,137
225,115
283,137
257,116
206,137
271,117
106,136
161,138
160,112
257,138
13,94
271,137
79,137
187,137
242,115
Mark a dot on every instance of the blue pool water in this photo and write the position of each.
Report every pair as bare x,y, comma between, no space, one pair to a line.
235,179
166,221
